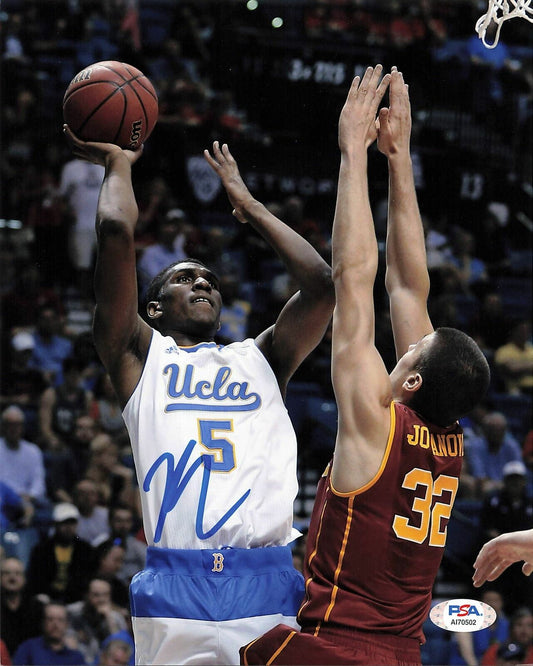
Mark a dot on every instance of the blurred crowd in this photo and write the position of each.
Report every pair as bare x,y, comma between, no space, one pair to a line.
72,535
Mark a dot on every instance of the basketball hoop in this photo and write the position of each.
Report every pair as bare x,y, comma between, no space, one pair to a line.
499,11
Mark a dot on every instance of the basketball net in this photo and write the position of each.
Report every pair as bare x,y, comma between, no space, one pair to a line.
499,11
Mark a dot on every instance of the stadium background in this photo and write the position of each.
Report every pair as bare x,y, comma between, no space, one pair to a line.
224,71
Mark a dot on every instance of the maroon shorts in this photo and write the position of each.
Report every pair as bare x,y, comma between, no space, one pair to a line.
333,646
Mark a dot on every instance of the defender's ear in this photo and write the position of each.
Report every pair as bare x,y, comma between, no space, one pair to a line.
154,310
413,382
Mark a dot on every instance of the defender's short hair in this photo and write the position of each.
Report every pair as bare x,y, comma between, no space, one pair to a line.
455,377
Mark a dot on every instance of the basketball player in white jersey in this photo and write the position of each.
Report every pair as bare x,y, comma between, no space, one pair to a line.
215,452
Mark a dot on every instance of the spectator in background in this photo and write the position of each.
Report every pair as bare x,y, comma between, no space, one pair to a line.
235,311
20,384
110,555
510,509
60,405
510,654
85,430
116,652
514,360
50,647
469,647
51,348
94,619
105,408
490,325
21,463
46,219
488,452
21,305
84,352
492,241
61,565
20,613
168,248
121,524
93,519
470,270
67,465
113,479
12,509
80,186
155,199
520,634
5,657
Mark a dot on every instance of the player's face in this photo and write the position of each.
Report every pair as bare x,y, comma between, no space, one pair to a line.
191,296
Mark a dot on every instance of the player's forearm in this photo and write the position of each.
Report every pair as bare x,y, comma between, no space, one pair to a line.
354,244
117,202
305,265
406,251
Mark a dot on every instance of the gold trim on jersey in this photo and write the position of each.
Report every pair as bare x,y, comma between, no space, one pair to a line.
382,466
281,647
312,556
341,558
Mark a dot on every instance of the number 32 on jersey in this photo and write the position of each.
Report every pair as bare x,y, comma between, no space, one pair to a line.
432,513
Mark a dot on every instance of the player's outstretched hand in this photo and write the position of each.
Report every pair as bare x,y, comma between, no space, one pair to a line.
394,122
502,551
95,152
224,165
357,122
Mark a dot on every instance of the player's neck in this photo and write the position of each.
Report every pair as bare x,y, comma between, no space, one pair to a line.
188,339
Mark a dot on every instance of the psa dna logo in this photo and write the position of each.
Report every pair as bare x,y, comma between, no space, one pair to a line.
462,615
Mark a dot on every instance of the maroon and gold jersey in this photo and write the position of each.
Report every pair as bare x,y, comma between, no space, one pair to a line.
373,554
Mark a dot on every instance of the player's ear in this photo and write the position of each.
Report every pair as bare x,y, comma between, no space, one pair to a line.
154,309
413,382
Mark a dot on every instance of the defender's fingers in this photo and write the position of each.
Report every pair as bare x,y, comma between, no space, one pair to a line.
382,88
226,152
365,81
217,152
210,160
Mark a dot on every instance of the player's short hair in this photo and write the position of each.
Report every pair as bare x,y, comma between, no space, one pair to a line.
455,377
153,293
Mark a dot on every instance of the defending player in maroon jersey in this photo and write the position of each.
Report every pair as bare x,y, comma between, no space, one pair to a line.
378,528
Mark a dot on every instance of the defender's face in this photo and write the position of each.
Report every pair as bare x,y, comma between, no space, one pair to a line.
191,294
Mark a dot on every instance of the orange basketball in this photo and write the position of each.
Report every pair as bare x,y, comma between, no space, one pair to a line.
111,102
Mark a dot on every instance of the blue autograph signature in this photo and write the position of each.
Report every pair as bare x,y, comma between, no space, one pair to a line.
175,484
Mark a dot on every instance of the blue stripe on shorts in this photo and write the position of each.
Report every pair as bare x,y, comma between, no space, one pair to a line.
217,585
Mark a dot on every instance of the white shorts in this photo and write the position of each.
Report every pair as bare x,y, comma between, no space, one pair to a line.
201,606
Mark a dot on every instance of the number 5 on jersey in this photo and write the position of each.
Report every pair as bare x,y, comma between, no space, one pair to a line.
222,450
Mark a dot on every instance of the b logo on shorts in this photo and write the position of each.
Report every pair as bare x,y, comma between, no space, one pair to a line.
218,562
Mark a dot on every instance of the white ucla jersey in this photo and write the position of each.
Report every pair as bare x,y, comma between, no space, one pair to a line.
214,448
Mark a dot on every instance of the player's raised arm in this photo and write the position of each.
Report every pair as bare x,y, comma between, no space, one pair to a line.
407,277
121,336
304,319
360,379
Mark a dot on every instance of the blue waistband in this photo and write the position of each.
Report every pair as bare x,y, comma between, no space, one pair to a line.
237,561
217,585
